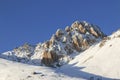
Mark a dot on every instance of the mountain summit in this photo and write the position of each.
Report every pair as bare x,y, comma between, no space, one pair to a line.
58,50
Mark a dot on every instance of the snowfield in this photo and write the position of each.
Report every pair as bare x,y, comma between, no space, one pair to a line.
10,70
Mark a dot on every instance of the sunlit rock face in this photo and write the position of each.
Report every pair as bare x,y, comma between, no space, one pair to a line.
76,38
64,43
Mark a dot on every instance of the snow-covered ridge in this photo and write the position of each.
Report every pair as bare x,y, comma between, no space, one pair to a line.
58,50
116,34
101,60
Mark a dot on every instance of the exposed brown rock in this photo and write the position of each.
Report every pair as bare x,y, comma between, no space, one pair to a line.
49,58
75,24
46,44
102,43
59,33
92,31
76,43
52,41
67,29
85,44
81,29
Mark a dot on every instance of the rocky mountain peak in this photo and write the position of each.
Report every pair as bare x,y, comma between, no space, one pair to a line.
58,50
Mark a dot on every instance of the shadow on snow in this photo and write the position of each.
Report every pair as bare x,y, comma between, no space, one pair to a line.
35,62
68,70
76,72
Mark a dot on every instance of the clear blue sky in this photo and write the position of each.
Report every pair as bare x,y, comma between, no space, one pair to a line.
35,21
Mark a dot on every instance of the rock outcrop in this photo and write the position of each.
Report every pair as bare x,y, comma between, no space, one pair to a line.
77,38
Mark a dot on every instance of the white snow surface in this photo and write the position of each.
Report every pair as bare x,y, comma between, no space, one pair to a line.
10,70
103,61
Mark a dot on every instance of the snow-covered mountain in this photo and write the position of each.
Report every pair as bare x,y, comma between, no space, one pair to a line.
80,52
58,50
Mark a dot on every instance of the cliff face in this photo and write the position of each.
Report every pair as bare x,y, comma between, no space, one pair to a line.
58,50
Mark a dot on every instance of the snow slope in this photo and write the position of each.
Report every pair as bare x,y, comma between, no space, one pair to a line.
10,70
102,61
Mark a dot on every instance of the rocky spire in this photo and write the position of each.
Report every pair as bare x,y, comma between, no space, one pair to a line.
76,38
